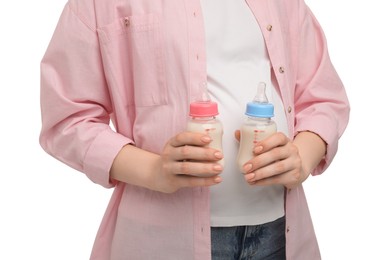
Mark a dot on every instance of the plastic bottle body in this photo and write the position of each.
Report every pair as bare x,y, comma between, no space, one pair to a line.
210,126
203,120
253,130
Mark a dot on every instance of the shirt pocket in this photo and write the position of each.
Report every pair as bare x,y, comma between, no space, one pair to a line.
133,55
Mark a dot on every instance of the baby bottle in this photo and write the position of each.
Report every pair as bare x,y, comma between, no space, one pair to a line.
203,119
257,126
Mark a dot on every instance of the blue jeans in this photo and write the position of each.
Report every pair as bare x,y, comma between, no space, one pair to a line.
261,242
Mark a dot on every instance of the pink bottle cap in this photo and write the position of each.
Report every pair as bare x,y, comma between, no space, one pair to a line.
203,109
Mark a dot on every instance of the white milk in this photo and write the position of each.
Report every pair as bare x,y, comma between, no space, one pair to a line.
253,131
258,125
210,126
203,119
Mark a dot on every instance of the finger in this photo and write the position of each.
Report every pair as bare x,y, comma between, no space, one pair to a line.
266,158
237,135
289,180
190,138
195,153
267,144
274,169
196,168
274,180
190,181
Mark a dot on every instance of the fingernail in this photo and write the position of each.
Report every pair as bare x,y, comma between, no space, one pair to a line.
219,155
249,176
217,167
206,139
217,179
258,149
248,167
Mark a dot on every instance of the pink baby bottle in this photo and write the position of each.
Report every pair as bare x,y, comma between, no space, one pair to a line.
203,119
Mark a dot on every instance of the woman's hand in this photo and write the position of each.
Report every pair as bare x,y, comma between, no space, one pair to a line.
186,161
278,160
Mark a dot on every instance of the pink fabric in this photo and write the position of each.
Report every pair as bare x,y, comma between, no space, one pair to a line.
139,64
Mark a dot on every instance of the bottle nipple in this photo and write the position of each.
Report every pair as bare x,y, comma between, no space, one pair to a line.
260,107
203,95
261,96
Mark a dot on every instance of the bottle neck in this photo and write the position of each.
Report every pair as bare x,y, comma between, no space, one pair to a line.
203,118
263,119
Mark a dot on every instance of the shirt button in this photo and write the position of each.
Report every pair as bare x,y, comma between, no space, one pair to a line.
288,229
269,27
281,69
288,191
289,109
194,14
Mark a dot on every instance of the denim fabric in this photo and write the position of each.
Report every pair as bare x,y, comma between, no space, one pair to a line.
260,242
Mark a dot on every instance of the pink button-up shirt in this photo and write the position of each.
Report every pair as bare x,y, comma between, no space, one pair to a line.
139,63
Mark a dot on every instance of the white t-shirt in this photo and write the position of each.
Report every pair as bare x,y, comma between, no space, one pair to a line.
237,60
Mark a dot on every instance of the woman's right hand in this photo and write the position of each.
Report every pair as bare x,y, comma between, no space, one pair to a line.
187,161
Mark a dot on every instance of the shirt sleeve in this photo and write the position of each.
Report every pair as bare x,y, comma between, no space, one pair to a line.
321,103
75,101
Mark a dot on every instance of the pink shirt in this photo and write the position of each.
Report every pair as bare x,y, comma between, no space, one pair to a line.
139,63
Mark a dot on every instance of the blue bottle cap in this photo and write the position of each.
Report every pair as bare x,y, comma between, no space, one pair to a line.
260,107
259,110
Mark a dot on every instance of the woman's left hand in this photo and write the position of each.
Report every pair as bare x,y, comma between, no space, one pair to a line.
276,161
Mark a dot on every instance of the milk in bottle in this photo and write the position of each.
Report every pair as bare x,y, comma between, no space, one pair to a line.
203,119
257,126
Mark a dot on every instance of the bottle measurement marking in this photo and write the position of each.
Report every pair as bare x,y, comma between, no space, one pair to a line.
256,134
208,130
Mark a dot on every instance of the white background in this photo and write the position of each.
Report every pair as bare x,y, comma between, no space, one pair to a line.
49,211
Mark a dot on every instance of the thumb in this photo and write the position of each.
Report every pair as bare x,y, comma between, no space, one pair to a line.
237,135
